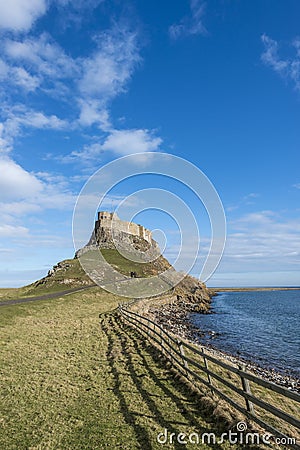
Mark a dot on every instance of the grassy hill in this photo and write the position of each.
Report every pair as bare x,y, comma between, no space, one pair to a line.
69,274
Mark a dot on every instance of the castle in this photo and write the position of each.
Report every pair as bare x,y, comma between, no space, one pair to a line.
108,221
111,232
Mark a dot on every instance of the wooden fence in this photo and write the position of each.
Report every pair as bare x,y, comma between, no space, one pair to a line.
196,365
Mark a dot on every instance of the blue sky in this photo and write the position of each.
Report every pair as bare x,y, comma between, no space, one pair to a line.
215,82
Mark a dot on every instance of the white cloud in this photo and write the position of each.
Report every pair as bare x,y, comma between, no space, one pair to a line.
19,15
261,242
4,70
248,199
88,83
270,55
19,118
263,239
15,182
23,192
39,120
5,140
287,68
22,78
106,73
25,197
89,153
120,142
43,55
96,81
192,24
9,231
18,208
92,112
124,142
18,76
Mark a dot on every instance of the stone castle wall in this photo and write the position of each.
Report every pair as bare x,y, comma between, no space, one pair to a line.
107,220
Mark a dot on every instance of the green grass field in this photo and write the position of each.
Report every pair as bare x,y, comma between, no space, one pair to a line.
70,380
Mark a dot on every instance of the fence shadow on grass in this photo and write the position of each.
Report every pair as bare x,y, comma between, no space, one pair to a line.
137,361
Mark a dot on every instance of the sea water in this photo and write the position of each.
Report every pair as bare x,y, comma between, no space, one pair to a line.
260,326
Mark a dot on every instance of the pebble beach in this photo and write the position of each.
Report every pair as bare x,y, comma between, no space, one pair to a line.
174,317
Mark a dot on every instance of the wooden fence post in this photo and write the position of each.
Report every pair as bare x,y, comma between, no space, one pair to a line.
246,388
161,341
207,368
171,350
185,363
152,326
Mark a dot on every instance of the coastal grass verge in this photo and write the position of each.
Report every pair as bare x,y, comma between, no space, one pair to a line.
72,381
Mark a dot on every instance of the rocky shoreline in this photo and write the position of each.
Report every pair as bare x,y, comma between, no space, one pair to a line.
174,317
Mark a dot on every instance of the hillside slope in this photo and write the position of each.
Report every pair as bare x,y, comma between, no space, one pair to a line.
69,274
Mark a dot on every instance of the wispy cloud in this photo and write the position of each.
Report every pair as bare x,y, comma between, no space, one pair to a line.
15,182
93,112
37,119
87,84
191,24
287,68
264,241
19,15
18,76
263,238
107,71
123,142
248,199
24,193
19,118
120,142
13,231
43,59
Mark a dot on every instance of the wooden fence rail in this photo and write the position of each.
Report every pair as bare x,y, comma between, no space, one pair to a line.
185,357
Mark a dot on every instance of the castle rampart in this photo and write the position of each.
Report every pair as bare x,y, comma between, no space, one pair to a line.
108,221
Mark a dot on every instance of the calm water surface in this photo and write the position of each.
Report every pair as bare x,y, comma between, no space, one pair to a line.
262,326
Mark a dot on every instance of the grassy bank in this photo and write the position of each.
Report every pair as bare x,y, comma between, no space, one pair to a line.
69,382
